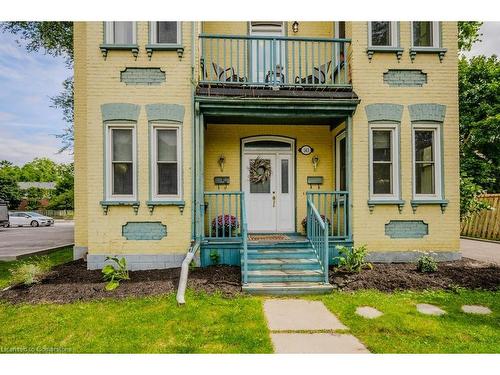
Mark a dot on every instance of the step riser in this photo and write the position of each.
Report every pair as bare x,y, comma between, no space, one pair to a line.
281,254
284,278
286,291
279,267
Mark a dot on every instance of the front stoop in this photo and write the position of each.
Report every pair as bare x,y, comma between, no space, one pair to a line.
276,270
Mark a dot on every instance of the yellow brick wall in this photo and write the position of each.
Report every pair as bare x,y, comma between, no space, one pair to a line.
225,139
97,81
442,88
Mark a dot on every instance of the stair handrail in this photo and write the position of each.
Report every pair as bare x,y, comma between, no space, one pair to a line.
318,240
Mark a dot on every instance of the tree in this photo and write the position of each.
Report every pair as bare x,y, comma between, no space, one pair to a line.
9,191
470,202
468,34
56,39
40,170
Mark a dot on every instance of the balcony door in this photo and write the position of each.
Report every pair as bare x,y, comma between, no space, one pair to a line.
267,61
270,202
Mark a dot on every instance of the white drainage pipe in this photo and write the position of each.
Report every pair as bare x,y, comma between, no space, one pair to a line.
181,290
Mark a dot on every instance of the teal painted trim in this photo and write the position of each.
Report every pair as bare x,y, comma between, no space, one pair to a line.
137,230
120,111
166,203
106,204
405,78
228,256
439,51
165,112
406,229
119,46
427,112
164,47
349,182
143,76
443,203
384,112
399,202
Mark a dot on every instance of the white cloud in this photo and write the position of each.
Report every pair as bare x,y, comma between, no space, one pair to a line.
490,44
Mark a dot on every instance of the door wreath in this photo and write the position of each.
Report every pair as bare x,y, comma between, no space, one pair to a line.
260,170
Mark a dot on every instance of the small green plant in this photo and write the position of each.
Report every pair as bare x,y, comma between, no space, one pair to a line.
214,257
427,264
192,265
353,260
31,272
114,275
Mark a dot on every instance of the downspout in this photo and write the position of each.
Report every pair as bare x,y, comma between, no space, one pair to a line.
181,290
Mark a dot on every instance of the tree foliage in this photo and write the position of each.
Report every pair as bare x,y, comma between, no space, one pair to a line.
468,34
470,202
9,191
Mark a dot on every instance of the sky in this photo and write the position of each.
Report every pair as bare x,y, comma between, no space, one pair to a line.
28,80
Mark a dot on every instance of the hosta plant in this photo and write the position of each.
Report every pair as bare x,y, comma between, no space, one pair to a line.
114,275
352,260
427,264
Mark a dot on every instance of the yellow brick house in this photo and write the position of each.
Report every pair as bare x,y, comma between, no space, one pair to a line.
266,144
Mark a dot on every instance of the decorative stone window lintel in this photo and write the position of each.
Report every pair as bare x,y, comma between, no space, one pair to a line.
373,203
105,48
106,204
152,204
397,50
439,51
442,203
150,48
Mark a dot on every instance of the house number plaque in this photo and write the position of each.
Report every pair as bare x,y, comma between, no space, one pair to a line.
306,150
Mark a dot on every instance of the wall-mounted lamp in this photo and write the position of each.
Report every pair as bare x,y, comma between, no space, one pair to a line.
315,161
295,27
221,161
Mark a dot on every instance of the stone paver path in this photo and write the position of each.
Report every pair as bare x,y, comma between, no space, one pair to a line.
299,315
476,309
428,309
368,312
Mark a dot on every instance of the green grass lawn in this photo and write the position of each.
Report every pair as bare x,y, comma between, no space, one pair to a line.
404,330
57,257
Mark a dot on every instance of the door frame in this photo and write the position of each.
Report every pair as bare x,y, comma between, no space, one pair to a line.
281,138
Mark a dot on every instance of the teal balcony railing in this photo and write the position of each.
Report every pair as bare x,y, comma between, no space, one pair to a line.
274,61
333,207
317,233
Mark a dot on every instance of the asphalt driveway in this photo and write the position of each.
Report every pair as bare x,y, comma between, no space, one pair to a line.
22,241
481,250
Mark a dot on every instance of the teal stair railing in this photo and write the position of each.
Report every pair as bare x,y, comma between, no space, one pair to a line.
274,61
333,207
317,233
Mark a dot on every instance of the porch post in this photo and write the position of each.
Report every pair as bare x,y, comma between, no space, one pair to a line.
198,193
349,184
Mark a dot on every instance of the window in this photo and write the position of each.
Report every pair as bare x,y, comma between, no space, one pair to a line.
340,157
166,158
426,157
120,33
165,32
382,34
425,34
121,166
384,162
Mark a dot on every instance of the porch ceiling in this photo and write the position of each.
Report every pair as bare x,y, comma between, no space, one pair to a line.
289,111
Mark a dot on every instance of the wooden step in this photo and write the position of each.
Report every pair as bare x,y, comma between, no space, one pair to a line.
284,264
271,276
287,288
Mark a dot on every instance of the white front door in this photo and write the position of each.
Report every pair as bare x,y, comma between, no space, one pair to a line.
270,205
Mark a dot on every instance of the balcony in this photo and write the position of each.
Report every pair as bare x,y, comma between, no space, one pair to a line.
273,63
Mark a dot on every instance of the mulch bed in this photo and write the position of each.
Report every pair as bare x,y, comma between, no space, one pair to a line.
465,273
72,281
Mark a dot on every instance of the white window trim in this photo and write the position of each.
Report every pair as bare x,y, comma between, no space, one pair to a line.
437,162
154,155
436,36
394,36
394,128
337,29
109,161
110,35
338,138
152,34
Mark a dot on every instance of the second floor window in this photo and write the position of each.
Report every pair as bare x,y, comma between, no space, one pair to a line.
382,34
120,33
165,32
425,34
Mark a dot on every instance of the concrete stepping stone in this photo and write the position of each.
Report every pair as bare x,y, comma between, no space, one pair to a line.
428,309
476,309
317,343
368,312
299,315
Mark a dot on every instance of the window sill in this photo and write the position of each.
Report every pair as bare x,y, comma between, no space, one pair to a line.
165,47
380,202
153,203
106,204
105,48
440,51
397,50
424,202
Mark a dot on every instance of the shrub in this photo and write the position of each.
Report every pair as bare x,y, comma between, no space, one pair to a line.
325,219
31,272
353,260
214,257
114,275
427,263
224,225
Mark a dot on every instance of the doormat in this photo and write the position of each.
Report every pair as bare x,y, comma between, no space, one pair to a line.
268,237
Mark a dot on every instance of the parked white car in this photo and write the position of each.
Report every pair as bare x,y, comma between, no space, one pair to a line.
19,219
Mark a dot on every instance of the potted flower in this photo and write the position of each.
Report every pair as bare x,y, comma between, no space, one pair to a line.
224,226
